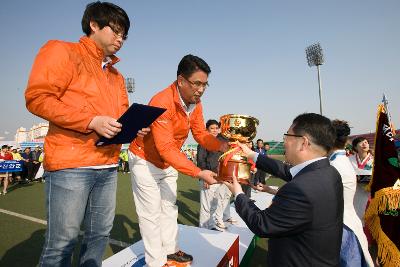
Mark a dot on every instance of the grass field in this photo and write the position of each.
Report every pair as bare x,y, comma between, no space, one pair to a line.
21,239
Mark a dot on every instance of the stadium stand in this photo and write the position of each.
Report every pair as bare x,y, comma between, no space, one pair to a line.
276,148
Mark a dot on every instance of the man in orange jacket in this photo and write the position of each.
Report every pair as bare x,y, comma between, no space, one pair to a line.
156,159
77,89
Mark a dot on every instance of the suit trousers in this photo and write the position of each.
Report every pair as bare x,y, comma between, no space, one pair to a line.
154,193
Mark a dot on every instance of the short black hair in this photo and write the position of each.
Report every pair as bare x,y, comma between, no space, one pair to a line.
258,140
266,143
357,140
189,64
104,13
212,122
4,146
342,130
317,127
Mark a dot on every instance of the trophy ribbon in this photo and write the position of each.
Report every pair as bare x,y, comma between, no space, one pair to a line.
229,154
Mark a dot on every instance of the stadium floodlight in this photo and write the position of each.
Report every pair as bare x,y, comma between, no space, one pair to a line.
315,57
130,85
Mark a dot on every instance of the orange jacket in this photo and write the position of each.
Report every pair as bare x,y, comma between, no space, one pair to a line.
168,133
68,87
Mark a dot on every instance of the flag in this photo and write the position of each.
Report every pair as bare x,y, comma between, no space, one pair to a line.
382,215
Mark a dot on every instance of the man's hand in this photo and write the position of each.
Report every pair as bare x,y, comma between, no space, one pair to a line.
234,187
258,187
207,176
143,132
270,190
246,150
264,188
206,185
105,126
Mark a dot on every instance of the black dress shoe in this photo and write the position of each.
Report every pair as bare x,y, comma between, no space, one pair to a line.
180,256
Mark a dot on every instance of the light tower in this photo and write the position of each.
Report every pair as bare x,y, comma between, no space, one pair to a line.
315,57
130,87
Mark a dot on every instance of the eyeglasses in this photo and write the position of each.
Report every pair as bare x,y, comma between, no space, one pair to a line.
288,134
197,84
118,33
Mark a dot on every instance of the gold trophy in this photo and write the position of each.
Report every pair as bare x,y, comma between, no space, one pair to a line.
240,128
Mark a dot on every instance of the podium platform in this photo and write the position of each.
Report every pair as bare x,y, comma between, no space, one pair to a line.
246,237
208,248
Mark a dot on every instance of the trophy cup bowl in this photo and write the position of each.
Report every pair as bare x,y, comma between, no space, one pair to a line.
242,128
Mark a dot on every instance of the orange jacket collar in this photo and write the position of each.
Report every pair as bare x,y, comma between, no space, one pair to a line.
95,51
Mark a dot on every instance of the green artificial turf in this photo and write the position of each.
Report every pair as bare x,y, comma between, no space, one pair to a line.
21,240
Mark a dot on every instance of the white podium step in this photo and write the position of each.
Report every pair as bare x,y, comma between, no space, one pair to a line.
208,248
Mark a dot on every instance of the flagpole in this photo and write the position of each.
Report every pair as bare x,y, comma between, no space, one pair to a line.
386,106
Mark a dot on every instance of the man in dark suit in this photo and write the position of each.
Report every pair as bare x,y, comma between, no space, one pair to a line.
304,222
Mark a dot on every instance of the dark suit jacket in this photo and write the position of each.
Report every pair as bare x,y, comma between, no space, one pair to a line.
208,160
305,220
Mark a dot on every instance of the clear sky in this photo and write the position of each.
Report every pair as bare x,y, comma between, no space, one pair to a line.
256,50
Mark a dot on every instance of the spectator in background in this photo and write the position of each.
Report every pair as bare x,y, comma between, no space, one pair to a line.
266,147
190,155
194,156
362,161
35,160
28,165
123,155
4,155
16,156
39,176
354,248
260,147
260,175
213,198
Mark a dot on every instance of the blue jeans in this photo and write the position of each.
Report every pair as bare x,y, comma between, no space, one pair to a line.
73,196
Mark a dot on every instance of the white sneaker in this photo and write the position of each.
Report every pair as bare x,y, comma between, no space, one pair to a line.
220,225
231,221
215,228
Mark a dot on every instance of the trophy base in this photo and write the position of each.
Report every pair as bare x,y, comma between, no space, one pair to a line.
239,169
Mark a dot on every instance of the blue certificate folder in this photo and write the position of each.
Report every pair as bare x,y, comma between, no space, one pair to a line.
137,116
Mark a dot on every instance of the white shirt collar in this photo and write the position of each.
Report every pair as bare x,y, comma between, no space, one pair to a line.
296,169
188,109
107,60
336,153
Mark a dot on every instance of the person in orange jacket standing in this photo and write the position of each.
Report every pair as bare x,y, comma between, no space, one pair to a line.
77,89
156,159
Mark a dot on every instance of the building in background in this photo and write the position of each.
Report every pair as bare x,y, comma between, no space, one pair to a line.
34,136
21,135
